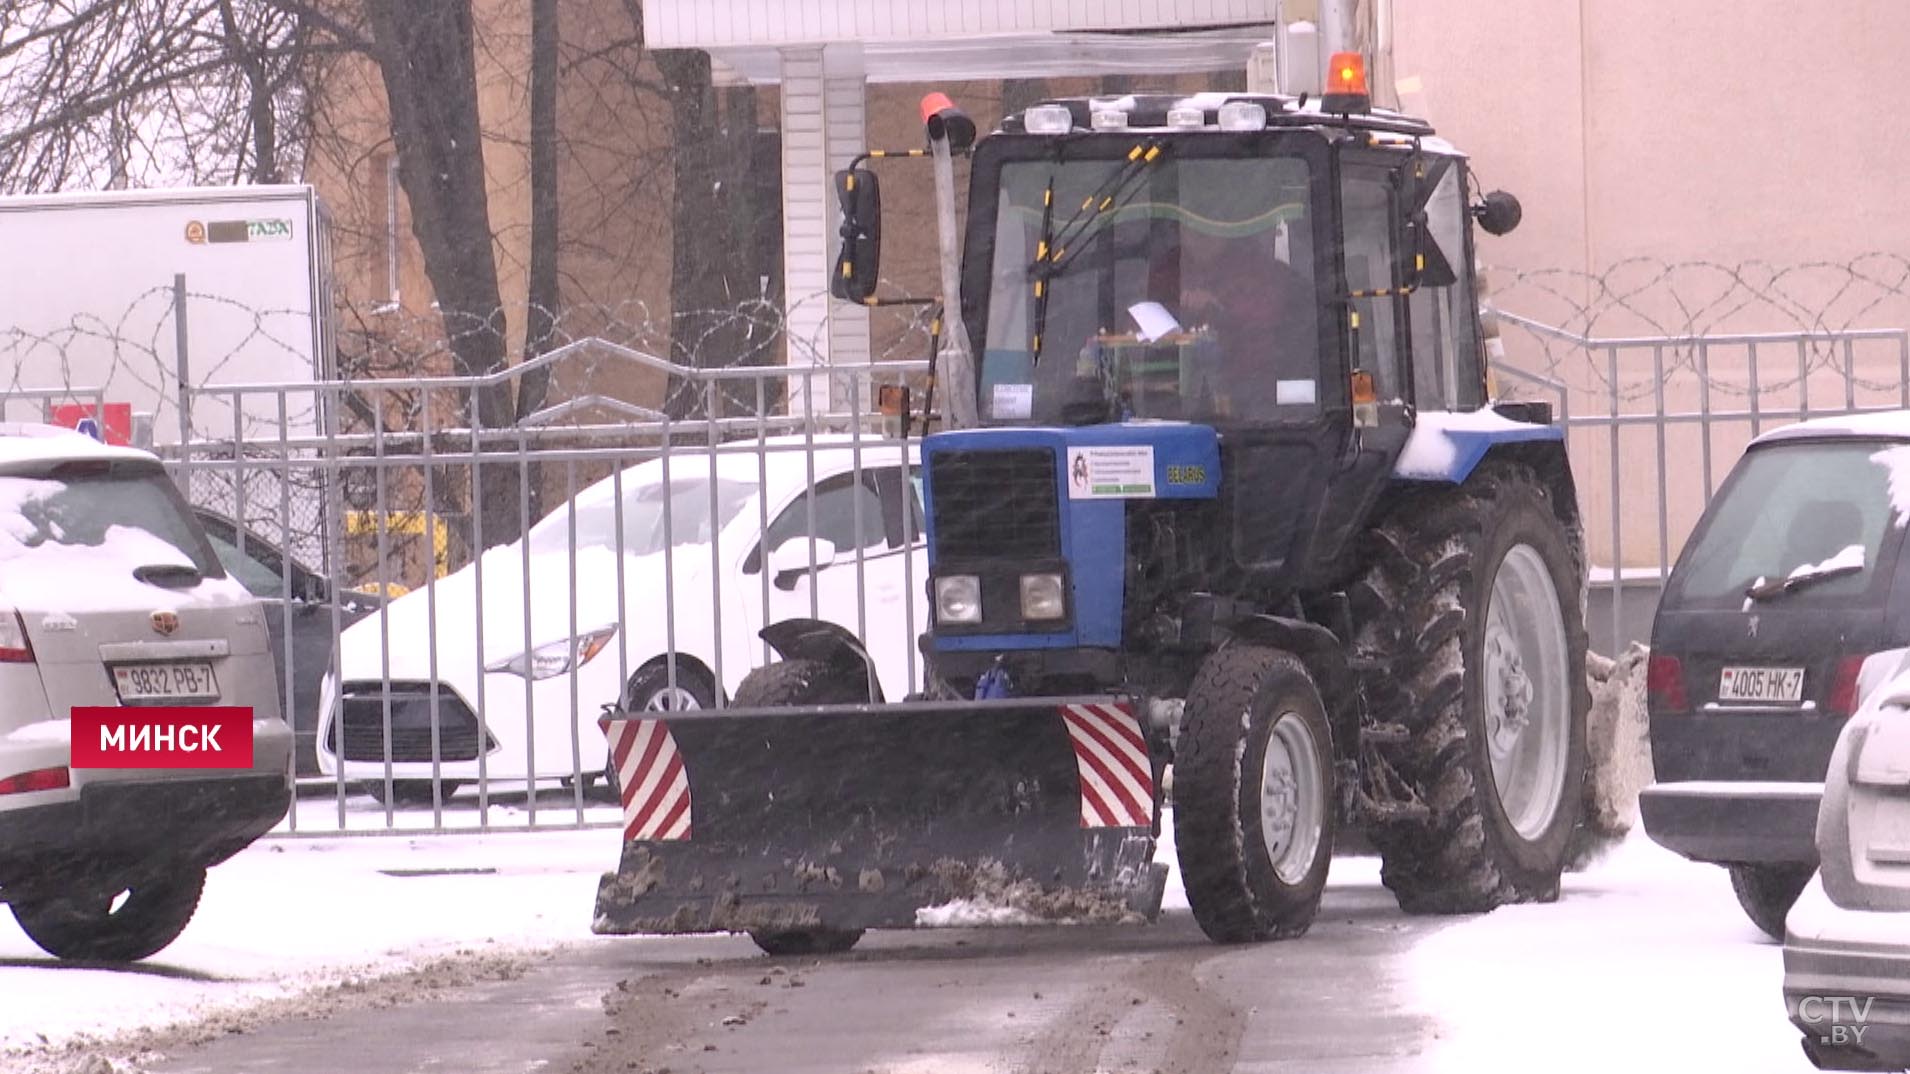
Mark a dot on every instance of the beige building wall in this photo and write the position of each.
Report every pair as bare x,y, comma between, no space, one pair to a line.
1711,165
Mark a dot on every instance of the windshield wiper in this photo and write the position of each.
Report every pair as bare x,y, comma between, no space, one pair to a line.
1763,590
1112,195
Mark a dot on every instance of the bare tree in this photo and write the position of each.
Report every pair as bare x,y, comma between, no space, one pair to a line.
151,91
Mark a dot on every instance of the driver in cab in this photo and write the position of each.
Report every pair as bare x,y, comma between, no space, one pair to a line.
1262,317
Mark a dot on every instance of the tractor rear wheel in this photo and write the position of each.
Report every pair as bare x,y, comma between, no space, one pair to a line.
1253,796
1472,620
802,682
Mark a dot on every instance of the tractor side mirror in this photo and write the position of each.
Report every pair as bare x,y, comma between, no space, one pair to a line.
1498,213
860,260
796,557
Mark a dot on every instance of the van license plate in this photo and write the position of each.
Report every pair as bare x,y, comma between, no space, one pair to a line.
1761,684
167,682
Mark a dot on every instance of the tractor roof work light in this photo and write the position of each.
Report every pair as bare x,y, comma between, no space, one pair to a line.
1186,118
1047,119
1346,91
1242,116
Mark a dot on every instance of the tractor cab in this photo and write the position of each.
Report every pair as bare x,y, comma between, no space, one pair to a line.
1204,327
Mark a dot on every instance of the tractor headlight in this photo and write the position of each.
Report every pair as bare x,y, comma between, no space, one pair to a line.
556,657
1042,597
958,599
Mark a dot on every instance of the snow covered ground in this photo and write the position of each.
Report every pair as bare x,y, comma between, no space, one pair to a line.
288,916
1646,964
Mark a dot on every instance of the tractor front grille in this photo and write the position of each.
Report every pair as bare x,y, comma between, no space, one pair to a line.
363,724
995,505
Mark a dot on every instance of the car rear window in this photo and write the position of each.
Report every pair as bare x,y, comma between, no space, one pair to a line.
134,514
1791,508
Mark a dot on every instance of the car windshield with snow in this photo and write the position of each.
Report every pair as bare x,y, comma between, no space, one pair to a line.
1789,585
656,510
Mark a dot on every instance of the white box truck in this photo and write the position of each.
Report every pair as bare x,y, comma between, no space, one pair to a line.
87,303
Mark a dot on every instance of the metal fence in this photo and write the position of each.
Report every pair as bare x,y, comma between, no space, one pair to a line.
1654,423
464,593
454,602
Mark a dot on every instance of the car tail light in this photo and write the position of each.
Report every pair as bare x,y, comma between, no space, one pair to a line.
40,779
14,646
1665,684
1842,697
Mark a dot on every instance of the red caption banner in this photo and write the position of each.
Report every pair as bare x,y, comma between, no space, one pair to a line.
174,736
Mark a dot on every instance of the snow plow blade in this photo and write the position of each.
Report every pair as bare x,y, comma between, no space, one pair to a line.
883,816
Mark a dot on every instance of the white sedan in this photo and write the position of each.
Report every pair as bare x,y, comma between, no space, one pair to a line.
517,695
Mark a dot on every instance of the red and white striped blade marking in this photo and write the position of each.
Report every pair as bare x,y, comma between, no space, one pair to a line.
656,791
1117,776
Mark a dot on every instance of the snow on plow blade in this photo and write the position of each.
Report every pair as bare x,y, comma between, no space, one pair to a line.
874,816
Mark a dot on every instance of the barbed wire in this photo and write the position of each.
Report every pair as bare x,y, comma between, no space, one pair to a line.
1672,324
1641,335
1844,319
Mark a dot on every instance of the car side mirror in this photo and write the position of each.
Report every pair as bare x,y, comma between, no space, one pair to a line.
796,557
859,261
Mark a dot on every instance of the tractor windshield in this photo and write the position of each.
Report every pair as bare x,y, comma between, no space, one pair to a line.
1185,290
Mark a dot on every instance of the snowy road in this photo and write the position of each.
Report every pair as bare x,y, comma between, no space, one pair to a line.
470,954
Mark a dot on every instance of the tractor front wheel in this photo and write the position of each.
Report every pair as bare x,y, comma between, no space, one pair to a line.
1472,618
1253,796
802,682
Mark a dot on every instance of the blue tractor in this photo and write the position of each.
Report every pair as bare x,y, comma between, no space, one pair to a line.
1237,528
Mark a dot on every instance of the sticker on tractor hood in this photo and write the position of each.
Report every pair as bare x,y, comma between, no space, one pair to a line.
1111,473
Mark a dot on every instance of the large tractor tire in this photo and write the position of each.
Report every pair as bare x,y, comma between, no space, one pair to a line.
802,682
100,926
1253,796
1472,624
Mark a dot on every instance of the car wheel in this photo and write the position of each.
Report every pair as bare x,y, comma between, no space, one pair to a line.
651,690
1767,893
410,792
122,925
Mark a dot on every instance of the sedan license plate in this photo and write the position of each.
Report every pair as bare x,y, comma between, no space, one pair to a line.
1761,684
166,682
